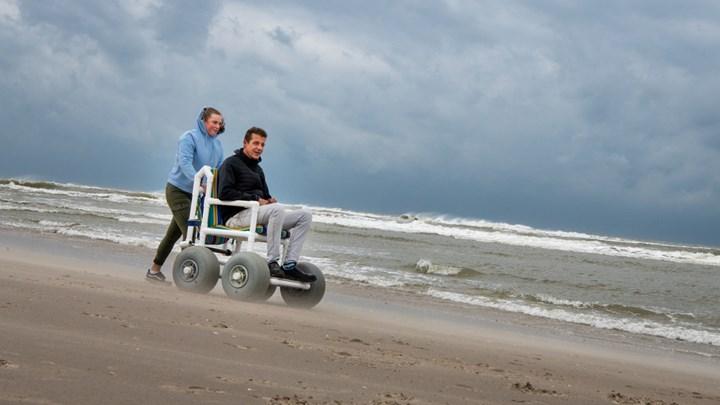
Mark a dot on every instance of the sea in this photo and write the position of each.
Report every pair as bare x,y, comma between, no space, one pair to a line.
665,290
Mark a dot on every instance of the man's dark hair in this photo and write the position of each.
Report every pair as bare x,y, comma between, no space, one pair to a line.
254,130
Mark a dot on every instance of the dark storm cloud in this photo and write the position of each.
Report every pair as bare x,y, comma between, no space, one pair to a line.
588,116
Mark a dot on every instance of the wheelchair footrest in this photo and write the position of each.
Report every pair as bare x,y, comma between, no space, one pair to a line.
283,282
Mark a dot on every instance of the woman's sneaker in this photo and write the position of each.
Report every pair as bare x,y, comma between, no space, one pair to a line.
150,276
292,271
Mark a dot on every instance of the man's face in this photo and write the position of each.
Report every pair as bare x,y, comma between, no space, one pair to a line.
254,147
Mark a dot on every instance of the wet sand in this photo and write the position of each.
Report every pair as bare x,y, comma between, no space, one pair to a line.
80,325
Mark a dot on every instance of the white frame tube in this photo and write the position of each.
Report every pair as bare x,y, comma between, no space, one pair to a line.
254,206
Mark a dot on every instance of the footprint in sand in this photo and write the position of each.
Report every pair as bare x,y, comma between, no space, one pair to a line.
123,322
7,365
192,389
618,398
197,389
401,342
241,347
294,400
356,340
394,398
528,388
465,386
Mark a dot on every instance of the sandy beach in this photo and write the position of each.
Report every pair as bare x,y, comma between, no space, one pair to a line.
80,325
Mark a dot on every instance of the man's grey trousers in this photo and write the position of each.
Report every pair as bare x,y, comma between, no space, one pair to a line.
277,217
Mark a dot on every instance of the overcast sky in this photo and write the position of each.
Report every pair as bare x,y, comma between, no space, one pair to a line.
590,116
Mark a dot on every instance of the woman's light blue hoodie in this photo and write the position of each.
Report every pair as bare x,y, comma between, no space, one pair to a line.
195,149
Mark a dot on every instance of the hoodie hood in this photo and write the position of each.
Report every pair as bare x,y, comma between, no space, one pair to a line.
201,125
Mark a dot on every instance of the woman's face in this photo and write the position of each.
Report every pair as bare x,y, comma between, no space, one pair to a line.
213,123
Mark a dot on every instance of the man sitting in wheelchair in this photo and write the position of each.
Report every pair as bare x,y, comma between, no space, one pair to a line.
242,178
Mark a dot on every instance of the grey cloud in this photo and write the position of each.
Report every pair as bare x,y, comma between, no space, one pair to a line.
183,24
283,36
104,23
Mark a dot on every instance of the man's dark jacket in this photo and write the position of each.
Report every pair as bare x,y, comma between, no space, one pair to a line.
241,178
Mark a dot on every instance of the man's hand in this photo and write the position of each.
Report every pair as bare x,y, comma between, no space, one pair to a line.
264,201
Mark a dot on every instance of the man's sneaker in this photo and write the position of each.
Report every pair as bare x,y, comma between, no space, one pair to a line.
292,271
276,270
155,276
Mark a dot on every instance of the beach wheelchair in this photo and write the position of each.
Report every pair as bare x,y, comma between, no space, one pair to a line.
211,251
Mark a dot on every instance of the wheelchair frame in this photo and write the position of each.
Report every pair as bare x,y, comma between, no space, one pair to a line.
244,274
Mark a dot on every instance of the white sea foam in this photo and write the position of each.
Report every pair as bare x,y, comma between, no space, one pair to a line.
17,207
91,194
548,299
527,230
427,267
74,229
116,214
109,236
55,224
595,320
363,274
612,308
386,223
20,225
140,220
32,179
